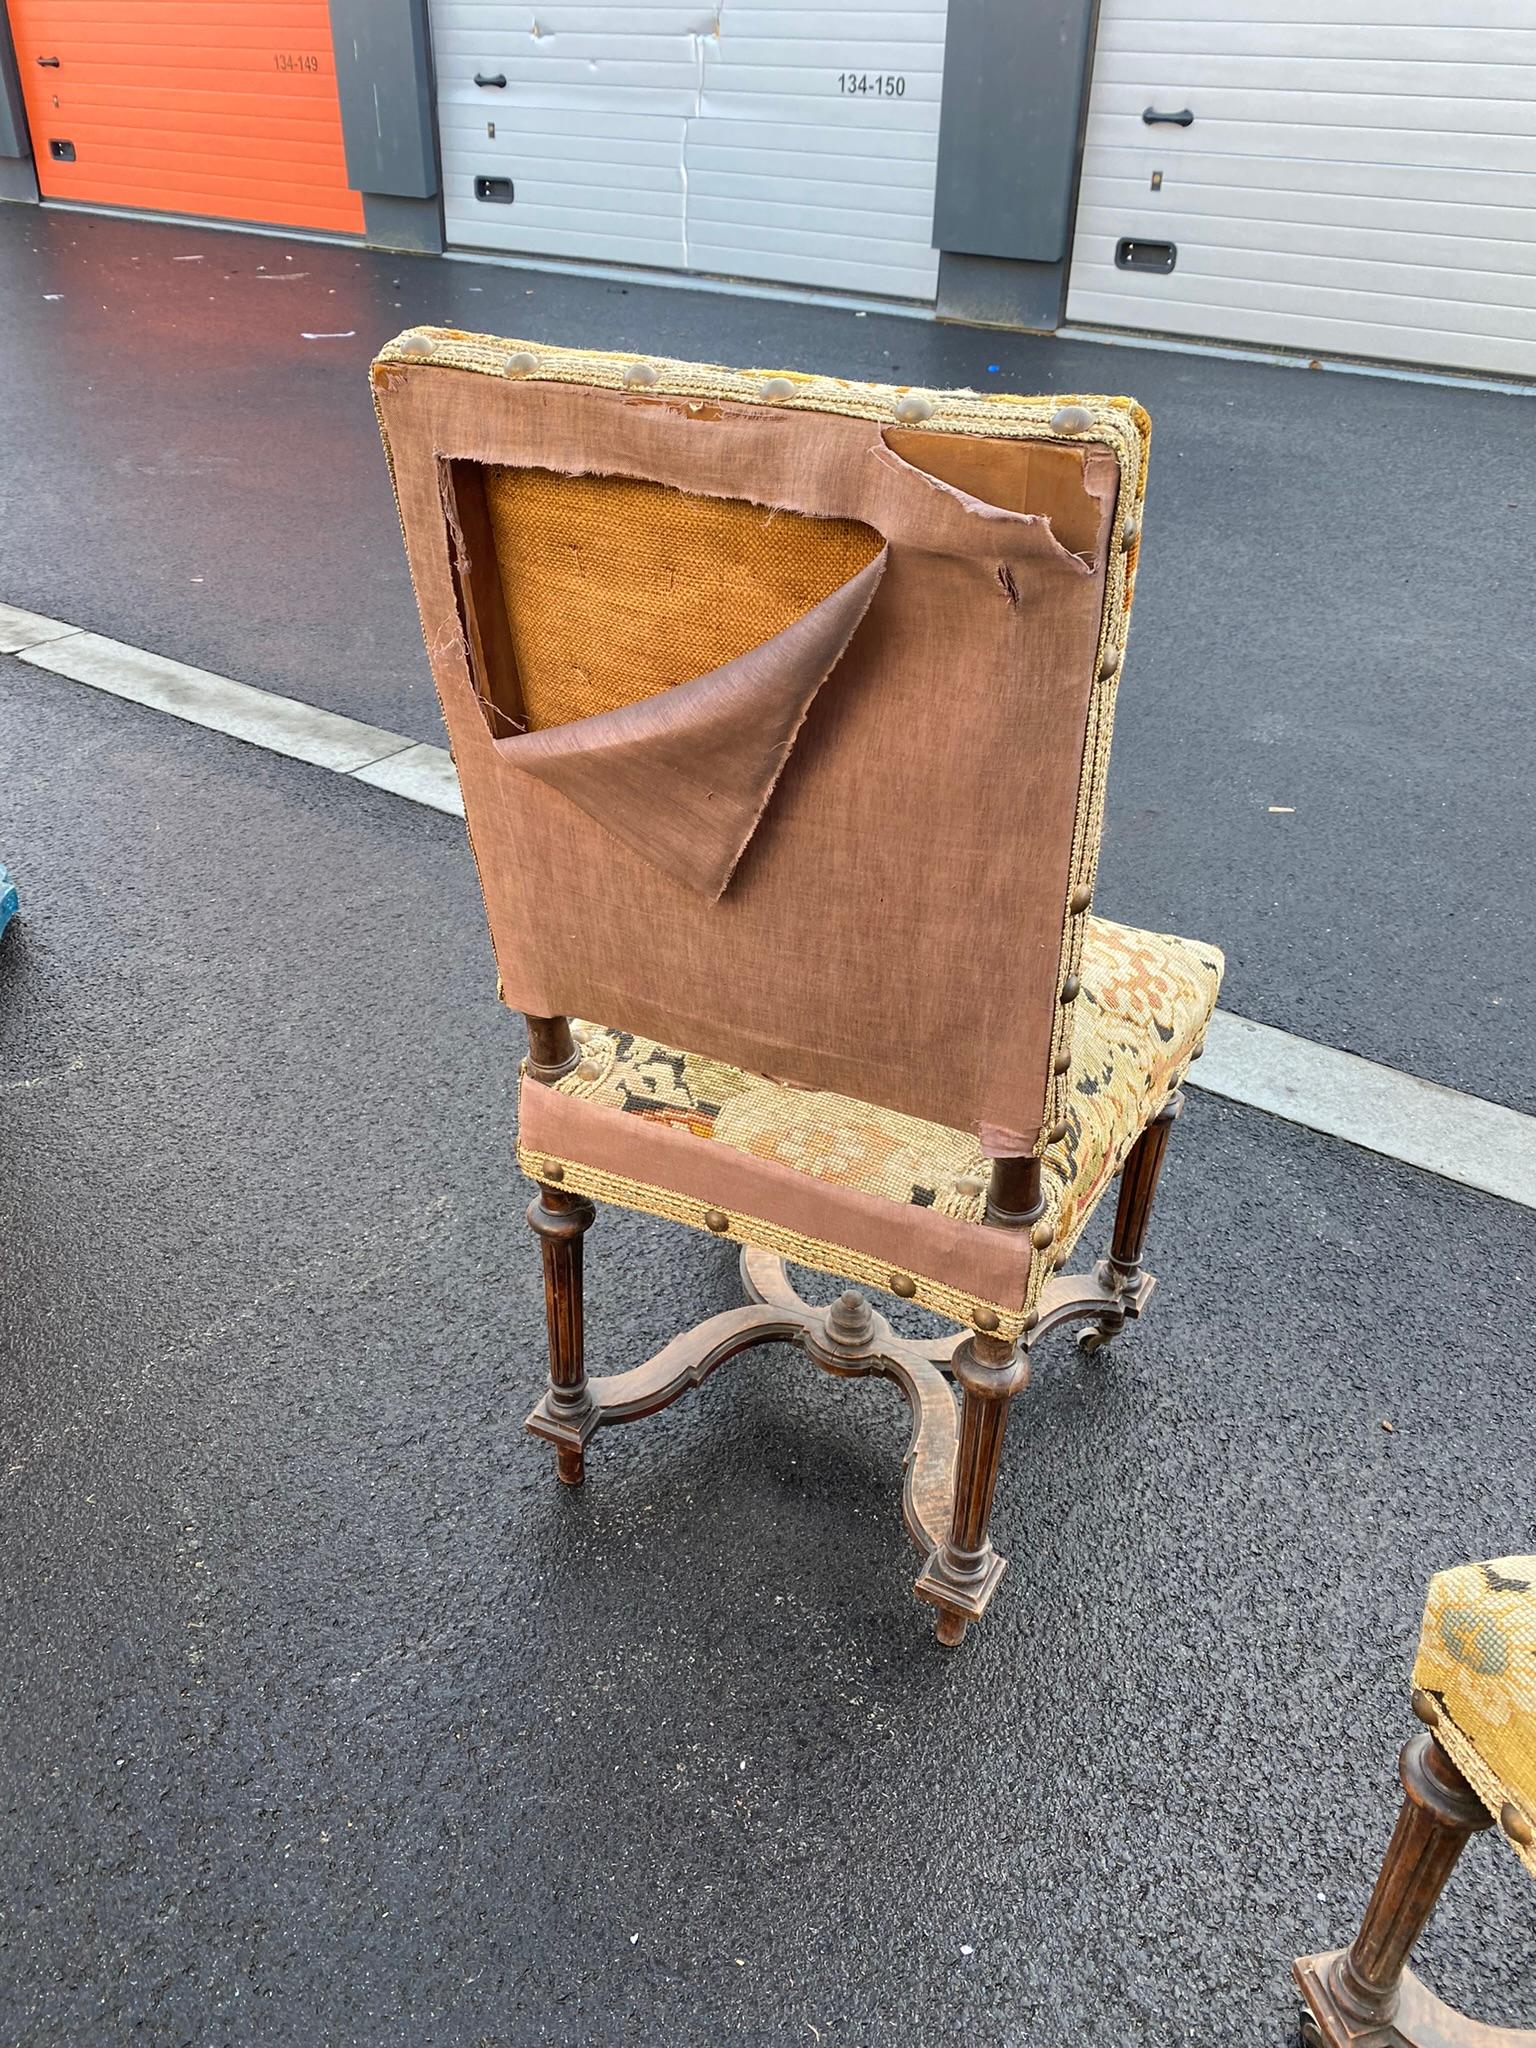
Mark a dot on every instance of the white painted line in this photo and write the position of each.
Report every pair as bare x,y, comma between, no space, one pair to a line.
424,774
1460,1137
19,629
280,724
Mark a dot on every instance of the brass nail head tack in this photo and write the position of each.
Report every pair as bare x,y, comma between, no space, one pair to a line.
1109,664
904,1285
1071,988
642,373
1080,899
1062,1064
1055,1134
1130,533
778,387
986,1320
1516,1825
913,408
522,362
1071,419
588,1070
1043,1236
716,1220
554,1171
1425,1708
1032,1320
969,1184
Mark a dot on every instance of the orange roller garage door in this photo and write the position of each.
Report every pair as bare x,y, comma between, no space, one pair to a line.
225,108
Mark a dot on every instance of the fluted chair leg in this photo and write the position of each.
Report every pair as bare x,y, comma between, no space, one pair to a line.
1365,1996
961,1576
559,1221
1138,1187
1122,1272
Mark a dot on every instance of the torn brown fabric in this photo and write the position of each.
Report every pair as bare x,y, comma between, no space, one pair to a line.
682,778
993,1264
894,927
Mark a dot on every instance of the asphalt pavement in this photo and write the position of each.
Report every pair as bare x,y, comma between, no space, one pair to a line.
332,1718
329,1716
1330,704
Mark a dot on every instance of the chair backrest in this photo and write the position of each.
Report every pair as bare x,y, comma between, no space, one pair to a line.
781,705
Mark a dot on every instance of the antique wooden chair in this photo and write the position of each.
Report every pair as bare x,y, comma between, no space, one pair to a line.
781,707
1474,1764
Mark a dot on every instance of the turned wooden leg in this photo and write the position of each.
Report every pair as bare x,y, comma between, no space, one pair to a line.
560,1221
1138,1185
1366,1993
1122,1273
962,1574
1440,1814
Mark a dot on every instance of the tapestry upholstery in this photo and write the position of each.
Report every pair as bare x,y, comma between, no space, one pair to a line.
1477,1660
1145,1004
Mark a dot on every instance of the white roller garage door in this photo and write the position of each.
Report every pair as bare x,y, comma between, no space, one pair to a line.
1357,178
789,142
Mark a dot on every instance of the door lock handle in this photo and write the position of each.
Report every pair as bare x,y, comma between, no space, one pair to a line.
50,63
491,78
1182,119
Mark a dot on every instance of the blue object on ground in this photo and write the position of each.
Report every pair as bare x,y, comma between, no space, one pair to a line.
10,902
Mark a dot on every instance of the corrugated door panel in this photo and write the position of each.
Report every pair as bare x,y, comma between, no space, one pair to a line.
793,142
220,107
1359,180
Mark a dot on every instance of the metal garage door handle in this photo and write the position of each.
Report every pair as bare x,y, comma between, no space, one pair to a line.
497,78
1179,120
52,62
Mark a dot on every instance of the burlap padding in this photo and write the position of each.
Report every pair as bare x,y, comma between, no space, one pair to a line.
617,588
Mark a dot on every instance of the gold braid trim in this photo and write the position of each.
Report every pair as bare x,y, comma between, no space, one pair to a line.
1485,1782
836,1260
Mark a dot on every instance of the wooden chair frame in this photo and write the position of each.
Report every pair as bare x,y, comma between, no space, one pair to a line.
956,1446
1365,1996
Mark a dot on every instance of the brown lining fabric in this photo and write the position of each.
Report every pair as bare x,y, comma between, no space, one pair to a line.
978,1262
895,928
1000,476
682,776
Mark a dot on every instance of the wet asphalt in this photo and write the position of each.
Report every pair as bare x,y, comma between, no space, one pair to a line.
329,1716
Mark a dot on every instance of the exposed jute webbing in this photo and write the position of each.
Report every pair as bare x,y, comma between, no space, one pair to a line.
617,588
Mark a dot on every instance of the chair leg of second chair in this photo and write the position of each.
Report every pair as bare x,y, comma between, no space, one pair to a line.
962,1574
1366,1993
